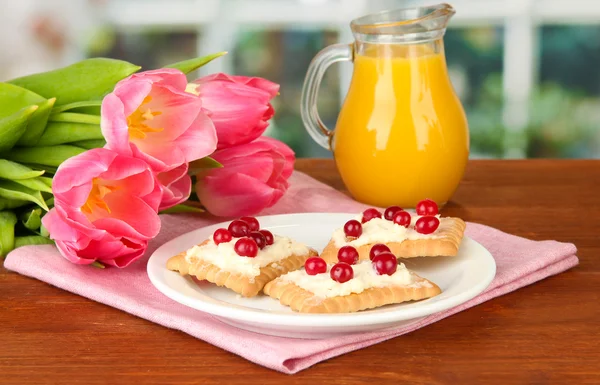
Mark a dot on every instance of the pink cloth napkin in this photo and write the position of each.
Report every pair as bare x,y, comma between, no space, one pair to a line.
520,262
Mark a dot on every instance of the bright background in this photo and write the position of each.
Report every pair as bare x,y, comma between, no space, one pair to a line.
527,71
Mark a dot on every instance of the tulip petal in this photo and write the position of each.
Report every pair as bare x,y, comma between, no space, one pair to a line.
253,177
177,186
271,88
261,165
177,109
60,230
129,175
161,160
125,260
114,252
284,150
241,195
168,177
132,213
165,76
176,193
200,140
79,222
114,124
70,253
132,94
239,106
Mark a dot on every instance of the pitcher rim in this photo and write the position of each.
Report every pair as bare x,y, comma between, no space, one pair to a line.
360,25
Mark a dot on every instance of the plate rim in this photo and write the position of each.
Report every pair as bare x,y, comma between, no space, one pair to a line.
252,315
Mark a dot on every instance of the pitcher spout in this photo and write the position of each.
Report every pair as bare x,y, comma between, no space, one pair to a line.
409,25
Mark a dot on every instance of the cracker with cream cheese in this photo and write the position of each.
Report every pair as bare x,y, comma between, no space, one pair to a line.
445,241
243,284
302,300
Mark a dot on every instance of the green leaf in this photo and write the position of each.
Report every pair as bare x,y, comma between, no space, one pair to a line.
182,208
70,106
43,156
6,203
86,80
61,133
190,65
47,169
89,144
35,184
14,98
73,117
12,190
13,127
203,164
37,124
47,181
44,231
32,219
31,240
12,170
8,220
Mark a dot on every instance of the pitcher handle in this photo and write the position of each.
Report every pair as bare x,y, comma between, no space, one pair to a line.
308,107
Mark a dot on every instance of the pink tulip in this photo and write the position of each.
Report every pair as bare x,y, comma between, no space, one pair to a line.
150,116
177,186
238,106
253,177
105,208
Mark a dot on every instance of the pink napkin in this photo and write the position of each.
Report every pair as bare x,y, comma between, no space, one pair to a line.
520,262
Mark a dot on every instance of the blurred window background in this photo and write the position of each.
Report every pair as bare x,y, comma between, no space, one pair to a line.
527,71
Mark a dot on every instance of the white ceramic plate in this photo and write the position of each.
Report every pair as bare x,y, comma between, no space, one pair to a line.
461,278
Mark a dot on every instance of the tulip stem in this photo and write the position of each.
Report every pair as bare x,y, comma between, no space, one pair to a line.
98,265
73,117
188,207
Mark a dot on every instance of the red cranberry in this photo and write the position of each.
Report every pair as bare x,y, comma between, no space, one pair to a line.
385,263
246,247
315,265
268,236
402,218
221,236
348,254
427,207
341,272
252,222
427,224
369,214
378,249
261,240
390,212
353,228
239,228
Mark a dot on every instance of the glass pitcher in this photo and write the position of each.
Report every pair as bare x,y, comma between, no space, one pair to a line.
402,134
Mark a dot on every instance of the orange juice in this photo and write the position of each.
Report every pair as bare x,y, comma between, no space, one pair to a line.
402,134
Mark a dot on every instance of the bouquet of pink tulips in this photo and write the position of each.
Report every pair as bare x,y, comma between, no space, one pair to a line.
160,132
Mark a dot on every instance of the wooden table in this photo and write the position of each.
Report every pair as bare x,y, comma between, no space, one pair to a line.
547,333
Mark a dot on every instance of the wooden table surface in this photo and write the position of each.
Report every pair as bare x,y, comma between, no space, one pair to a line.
546,333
